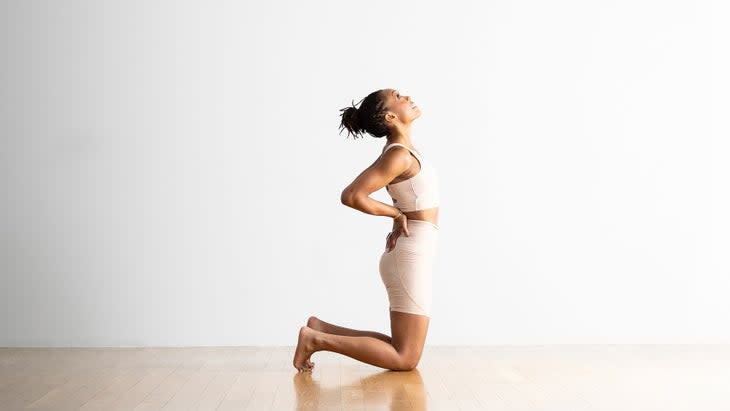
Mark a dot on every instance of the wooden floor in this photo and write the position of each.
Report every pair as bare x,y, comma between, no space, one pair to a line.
560,378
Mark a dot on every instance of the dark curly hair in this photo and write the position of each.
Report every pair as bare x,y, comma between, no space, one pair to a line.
370,117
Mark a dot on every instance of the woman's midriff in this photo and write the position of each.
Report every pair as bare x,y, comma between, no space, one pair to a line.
430,214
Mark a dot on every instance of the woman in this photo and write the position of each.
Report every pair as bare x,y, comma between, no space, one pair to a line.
407,262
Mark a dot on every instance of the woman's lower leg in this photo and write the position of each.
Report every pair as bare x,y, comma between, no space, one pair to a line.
323,326
367,349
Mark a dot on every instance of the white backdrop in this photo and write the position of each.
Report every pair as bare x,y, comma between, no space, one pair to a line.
171,170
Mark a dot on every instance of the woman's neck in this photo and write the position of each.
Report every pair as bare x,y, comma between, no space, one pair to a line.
402,135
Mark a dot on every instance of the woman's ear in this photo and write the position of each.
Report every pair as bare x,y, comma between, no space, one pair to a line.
390,117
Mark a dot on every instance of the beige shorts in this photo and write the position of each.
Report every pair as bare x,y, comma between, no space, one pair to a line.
407,269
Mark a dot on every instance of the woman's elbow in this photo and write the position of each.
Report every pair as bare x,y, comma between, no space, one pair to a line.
347,197
351,198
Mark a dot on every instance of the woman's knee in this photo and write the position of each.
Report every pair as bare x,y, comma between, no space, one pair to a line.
408,362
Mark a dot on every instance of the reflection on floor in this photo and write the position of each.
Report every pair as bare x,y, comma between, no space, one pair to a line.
561,378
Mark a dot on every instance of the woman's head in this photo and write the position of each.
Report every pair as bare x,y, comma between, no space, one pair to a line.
380,113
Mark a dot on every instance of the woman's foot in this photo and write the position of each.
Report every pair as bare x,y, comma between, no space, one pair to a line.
315,324
305,349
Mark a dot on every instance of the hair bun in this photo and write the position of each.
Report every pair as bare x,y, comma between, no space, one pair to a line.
350,120
368,118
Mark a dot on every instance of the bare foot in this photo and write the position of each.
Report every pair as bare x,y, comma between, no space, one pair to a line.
305,348
315,323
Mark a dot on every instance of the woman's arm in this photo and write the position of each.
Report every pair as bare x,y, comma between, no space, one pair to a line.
388,166
372,206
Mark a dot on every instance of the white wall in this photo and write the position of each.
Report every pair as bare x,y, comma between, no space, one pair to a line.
171,170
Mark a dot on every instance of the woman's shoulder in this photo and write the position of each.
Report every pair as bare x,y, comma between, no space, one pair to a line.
388,147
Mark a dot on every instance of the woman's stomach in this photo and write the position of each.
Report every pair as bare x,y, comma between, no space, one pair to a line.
430,214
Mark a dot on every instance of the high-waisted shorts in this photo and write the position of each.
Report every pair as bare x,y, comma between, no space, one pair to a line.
407,269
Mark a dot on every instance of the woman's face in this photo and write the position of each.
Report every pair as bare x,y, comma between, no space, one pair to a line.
401,106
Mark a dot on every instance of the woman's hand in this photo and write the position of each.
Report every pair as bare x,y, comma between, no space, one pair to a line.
400,226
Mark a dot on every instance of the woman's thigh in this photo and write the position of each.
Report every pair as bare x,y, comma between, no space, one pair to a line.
408,332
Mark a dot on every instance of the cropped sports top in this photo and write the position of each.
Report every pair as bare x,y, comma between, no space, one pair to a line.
418,192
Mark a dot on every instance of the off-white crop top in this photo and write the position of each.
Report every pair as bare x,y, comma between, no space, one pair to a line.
418,192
